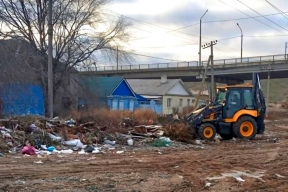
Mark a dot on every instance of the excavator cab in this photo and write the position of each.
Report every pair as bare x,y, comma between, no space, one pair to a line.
236,111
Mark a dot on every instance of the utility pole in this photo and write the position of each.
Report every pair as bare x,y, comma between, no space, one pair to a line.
201,38
241,41
50,60
202,83
269,69
117,58
213,85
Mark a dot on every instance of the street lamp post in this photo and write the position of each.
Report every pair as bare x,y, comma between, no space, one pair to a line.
241,41
201,38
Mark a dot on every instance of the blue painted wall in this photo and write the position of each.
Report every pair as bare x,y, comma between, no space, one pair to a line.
19,99
154,106
124,94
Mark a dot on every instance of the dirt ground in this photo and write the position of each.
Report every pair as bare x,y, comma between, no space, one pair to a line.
261,164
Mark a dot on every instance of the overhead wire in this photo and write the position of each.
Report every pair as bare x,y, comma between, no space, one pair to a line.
252,17
178,29
146,55
243,18
262,15
277,9
185,44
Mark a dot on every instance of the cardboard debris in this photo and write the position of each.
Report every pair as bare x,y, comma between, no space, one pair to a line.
143,131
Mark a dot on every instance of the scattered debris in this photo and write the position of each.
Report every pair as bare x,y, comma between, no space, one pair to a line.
237,175
281,176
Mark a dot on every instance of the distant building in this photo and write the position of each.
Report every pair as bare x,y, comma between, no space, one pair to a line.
112,92
162,95
21,63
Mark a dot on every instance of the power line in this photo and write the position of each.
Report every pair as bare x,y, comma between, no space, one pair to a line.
262,15
144,55
243,18
252,17
155,57
184,44
281,12
159,26
266,35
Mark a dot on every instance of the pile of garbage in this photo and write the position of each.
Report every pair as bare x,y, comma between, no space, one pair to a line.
34,136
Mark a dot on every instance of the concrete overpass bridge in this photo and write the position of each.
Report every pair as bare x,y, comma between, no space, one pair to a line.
228,71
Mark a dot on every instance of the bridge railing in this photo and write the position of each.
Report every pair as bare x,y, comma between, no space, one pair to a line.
236,61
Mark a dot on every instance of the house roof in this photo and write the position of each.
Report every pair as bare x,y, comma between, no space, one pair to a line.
154,86
101,86
196,92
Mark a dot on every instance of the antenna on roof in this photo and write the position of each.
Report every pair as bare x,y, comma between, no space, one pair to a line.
163,79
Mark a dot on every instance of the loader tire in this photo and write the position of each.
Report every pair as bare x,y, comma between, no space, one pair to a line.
245,127
206,131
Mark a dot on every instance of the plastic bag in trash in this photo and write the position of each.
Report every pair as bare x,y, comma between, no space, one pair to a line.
76,142
28,150
110,142
161,142
50,149
54,137
89,149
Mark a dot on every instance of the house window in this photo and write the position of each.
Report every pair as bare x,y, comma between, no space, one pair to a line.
169,102
114,105
121,105
131,105
180,102
188,102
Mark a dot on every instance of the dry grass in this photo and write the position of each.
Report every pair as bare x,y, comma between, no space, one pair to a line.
180,131
106,117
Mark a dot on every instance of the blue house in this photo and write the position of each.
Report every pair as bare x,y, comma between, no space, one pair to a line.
113,92
20,99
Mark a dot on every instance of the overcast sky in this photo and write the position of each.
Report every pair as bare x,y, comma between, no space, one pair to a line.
154,20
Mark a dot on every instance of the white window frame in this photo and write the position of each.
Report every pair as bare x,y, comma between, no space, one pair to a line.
169,102
114,104
121,105
188,102
180,102
131,105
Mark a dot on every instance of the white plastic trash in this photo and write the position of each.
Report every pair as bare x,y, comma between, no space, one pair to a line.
130,142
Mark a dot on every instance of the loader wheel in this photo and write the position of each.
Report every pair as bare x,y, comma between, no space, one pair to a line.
226,136
206,131
245,127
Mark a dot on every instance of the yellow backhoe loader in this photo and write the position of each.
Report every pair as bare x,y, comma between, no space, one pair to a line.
236,111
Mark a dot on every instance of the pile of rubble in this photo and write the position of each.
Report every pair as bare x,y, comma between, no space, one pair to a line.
30,136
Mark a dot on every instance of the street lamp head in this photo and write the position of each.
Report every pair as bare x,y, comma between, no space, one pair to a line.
237,24
203,14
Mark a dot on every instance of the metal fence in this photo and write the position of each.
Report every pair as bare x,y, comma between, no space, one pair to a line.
235,61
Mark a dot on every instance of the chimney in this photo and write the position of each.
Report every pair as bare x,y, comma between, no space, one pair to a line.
163,79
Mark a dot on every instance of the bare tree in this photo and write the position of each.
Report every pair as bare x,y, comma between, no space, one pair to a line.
80,27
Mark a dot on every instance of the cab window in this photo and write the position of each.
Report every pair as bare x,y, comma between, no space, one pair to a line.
248,99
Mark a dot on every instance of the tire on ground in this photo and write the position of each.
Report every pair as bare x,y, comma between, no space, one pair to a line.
245,127
206,131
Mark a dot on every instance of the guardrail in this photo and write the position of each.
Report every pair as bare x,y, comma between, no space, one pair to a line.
246,60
